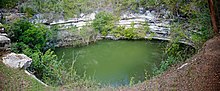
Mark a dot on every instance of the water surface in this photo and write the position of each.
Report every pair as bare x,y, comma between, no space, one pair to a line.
114,62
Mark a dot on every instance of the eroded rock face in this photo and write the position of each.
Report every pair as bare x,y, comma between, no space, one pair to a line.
17,60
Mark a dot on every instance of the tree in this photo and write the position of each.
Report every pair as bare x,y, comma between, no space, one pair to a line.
104,22
213,15
34,36
54,9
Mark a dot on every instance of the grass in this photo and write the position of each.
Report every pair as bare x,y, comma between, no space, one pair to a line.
17,80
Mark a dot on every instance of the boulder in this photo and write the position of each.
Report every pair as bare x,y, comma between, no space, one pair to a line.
4,42
17,60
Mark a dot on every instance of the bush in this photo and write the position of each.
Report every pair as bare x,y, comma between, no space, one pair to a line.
118,31
45,66
175,52
18,47
130,33
16,29
33,40
8,3
196,28
34,36
87,34
104,22
164,65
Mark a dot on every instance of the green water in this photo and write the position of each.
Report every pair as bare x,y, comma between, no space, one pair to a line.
114,62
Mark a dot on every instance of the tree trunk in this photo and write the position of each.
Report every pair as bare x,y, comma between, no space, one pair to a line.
213,16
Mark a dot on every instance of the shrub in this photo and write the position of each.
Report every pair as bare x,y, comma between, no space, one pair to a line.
45,66
16,29
87,34
175,52
104,22
129,33
34,36
8,3
18,47
118,31
164,65
32,39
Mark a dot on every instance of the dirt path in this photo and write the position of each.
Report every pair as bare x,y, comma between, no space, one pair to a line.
200,73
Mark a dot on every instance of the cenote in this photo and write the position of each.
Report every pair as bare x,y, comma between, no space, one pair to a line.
114,63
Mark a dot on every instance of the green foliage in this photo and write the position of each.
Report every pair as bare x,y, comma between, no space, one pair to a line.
203,28
45,66
18,47
150,3
65,8
70,78
164,65
8,3
70,8
34,36
196,28
14,79
198,21
87,34
29,11
104,22
41,6
118,31
146,27
201,36
130,33
131,83
179,51
175,53
33,40
16,29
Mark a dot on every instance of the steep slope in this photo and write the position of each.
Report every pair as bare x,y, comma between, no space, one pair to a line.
200,73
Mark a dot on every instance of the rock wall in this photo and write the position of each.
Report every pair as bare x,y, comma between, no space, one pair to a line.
66,38
159,23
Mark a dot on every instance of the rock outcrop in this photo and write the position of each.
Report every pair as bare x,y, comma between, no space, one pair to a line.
158,21
17,60
5,42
